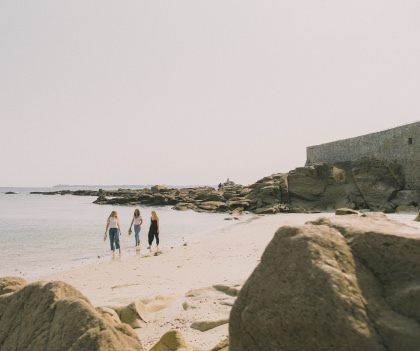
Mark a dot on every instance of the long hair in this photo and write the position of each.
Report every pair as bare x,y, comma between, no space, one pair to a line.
154,215
114,214
136,212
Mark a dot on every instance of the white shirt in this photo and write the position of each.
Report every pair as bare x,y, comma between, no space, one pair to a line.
137,220
113,222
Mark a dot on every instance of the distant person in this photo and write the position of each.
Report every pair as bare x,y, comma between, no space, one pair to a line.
154,231
137,221
113,223
219,186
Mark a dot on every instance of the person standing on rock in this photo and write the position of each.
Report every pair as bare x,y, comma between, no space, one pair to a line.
154,231
113,223
137,221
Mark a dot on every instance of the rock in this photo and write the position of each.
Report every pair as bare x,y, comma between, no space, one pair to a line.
215,196
109,314
133,314
367,184
213,206
207,325
228,218
408,198
377,183
417,219
55,316
159,189
172,341
344,283
221,346
182,206
237,211
345,211
403,208
362,184
11,284
158,253
238,205
266,210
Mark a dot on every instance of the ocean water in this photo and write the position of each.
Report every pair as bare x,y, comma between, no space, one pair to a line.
42,234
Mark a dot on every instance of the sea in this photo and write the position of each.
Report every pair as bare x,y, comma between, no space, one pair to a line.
43,234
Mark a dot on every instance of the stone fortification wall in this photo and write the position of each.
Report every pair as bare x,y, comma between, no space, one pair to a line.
398,145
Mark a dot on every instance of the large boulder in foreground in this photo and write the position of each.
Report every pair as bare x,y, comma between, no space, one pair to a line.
56,316
346,283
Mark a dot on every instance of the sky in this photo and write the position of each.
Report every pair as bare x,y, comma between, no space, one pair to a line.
192,92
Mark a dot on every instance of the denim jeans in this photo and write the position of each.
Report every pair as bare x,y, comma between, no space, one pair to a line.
137,229
114,237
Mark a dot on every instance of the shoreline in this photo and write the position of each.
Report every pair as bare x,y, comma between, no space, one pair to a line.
227,258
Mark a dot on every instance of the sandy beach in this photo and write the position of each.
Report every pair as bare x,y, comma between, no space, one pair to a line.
181,279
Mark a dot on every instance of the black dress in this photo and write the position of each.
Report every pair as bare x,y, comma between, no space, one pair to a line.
153,232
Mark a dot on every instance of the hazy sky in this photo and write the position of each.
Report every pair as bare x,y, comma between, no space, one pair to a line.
192,92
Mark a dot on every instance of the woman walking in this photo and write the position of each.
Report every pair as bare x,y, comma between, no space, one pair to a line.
113,223
137,221
154,231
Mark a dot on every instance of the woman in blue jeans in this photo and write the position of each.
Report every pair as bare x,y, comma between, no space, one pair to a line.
113,223
137,221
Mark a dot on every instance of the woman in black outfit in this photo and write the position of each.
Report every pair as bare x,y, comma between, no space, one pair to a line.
154,231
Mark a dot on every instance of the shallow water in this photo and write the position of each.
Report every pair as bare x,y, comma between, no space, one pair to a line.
43,234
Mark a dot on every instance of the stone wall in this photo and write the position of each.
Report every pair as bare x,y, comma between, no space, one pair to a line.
399,145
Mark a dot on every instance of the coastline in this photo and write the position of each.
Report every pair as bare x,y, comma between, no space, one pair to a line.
226,258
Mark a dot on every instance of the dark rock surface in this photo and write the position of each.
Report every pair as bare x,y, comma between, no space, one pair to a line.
55,316
344,283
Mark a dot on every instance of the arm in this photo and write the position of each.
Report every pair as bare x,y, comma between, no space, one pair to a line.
158,225
118,224
141,221
131,223
107,225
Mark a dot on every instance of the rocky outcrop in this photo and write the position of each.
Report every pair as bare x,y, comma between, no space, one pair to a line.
324,187
55,316
358,185
345,283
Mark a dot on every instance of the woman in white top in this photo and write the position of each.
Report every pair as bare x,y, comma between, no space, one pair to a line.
137,221
113,223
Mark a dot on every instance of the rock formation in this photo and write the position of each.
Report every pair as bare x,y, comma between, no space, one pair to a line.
346,283
320,187
55,316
